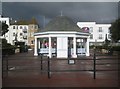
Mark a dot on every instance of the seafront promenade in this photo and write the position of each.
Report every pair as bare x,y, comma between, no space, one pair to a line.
24,70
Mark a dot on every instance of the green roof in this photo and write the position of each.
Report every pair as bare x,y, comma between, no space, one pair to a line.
62,23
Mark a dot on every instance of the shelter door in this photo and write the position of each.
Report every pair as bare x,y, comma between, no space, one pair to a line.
62,47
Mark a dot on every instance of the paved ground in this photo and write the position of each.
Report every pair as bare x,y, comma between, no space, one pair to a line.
25,71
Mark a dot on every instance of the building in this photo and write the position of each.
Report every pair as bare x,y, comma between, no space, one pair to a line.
17,33
32,28
98,31
5,20
24,32
21,31
61,37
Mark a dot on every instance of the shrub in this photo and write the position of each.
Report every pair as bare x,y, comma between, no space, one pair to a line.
7,49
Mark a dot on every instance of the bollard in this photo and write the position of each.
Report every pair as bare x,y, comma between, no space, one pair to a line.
94,58
41,65
7,65
41,56
41,62
48,68
2,68
118,64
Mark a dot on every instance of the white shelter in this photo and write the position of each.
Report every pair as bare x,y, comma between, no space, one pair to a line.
61,37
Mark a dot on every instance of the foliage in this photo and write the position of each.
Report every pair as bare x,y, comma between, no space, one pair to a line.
22,46
115,30
4,28
19,43
7,48
113,48
116,48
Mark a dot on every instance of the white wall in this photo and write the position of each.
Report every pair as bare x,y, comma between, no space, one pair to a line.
95,32
10,37
62,47
105,28
5,19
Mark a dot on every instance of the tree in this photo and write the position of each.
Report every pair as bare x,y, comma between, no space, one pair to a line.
4,28
115,30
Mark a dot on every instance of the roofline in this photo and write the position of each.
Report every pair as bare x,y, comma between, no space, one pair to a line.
82,23
60,32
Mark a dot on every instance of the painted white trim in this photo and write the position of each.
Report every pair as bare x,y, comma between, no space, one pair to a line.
42,35
87,47
35,48
60,32
74,48
35,54
50,52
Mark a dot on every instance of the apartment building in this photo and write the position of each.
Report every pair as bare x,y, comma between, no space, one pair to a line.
5,20
32,28
17,33
98,32
21,31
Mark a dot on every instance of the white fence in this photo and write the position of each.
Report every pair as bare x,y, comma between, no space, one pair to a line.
46,51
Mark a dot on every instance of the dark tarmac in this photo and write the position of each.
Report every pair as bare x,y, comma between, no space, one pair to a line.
24,70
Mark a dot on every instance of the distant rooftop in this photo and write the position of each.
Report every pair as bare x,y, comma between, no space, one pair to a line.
24,22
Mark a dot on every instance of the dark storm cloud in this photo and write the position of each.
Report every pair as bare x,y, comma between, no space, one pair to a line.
101,12
118,9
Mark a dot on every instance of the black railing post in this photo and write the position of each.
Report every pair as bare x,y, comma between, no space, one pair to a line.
118,64
94,59
7,64
41,65
48,67
41,62
2,68
41,56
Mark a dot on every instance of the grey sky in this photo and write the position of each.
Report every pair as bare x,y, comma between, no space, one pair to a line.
101,12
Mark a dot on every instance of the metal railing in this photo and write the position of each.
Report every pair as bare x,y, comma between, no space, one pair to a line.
93,62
